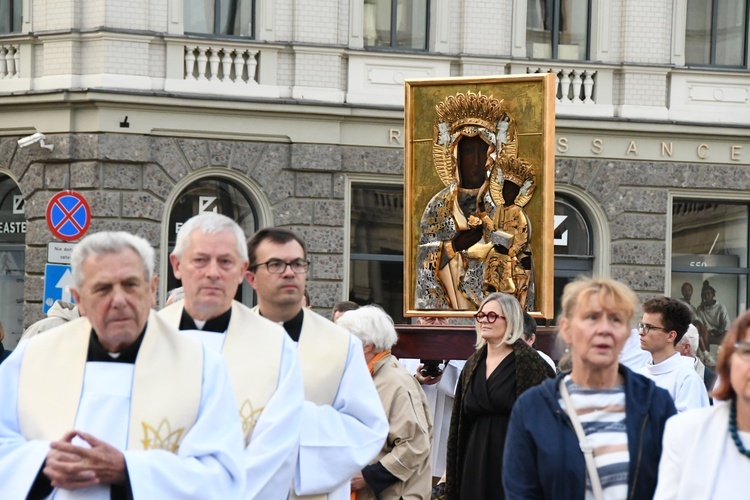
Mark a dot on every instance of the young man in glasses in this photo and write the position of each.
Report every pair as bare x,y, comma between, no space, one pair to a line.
664,322
343,423
210,257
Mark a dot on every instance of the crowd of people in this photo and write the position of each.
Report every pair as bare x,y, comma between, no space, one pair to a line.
208,398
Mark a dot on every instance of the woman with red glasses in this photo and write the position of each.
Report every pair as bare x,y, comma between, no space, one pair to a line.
501,369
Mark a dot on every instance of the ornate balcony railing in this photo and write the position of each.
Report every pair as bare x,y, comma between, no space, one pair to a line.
582,89
220,68
10,60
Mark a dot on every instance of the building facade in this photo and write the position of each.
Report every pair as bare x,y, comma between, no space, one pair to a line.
290,113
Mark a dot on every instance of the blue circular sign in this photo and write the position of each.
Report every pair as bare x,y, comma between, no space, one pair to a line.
68,215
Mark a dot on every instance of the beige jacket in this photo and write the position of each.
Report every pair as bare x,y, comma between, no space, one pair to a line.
406,453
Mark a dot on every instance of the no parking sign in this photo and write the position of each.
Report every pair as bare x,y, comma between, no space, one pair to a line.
68,215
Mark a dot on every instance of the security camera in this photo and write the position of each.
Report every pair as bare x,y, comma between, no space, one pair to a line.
31,139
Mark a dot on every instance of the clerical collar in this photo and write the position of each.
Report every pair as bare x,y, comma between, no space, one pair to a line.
219,324
294,326
97,352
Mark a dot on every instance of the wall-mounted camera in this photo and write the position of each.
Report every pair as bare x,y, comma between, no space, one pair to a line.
32,139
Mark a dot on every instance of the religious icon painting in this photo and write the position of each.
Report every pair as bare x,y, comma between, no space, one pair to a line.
479,192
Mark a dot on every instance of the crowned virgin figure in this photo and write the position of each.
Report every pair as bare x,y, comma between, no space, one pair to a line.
474,235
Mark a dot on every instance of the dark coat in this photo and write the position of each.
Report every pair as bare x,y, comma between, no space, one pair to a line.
547,461
531,370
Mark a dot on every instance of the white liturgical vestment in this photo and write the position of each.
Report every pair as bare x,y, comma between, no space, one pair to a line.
339,436
200,460
259,352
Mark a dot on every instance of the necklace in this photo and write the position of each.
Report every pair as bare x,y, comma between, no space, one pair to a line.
733,429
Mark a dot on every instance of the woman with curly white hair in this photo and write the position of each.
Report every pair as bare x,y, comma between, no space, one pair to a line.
402,468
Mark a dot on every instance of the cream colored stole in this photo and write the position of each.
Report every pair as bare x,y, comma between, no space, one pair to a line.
323,349
166,395
252,351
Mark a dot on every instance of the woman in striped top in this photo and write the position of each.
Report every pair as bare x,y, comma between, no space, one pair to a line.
622,414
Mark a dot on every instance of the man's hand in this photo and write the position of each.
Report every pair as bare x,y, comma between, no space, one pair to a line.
426,380
72,467
358,482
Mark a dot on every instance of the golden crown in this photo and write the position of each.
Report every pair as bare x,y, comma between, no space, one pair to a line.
470,109
516,170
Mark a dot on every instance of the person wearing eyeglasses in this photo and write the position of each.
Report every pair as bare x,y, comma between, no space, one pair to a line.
594,432
210,257
500,370
343,422
665,321
707,451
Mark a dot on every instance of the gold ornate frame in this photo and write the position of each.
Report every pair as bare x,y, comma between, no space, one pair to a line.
530,102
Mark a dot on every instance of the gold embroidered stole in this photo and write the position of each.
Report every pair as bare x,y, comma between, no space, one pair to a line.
252,350
166,394
323,349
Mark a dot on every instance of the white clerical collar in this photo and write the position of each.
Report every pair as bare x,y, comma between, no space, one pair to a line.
200,324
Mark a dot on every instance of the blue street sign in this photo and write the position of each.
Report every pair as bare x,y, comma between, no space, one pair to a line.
58,279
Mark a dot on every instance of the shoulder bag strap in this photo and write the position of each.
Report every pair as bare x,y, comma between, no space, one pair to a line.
586,448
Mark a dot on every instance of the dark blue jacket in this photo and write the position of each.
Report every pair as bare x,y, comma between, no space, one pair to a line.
543,459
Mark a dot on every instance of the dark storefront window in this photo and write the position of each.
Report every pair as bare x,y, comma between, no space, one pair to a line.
573,246
218,196
710,262
376,270
12,240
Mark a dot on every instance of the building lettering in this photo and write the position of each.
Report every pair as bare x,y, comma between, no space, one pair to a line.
12,227
736,150
666,149
394,135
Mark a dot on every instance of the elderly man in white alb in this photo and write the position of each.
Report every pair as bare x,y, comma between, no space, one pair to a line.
665,321
117,404
343,422
210,257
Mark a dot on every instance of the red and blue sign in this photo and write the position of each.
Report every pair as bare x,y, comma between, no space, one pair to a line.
68,215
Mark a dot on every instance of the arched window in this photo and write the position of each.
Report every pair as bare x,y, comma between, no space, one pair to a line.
219,196
573,245
12,241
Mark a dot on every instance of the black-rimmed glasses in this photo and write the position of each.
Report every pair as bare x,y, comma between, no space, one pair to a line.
278,266
491,317
645,328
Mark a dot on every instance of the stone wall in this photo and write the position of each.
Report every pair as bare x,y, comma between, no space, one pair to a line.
128,181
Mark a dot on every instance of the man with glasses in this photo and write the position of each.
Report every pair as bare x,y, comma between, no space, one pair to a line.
210,257
343,422
664,323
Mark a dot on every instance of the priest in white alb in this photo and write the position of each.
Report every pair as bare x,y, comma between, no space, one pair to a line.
117,404
343,423
210,257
